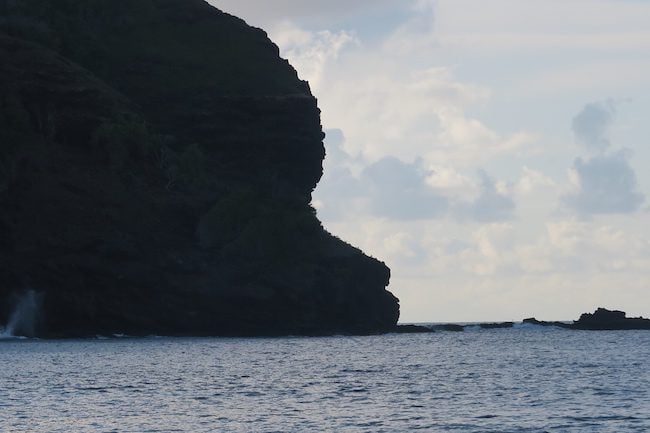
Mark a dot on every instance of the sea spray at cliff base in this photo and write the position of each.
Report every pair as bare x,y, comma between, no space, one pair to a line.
23,319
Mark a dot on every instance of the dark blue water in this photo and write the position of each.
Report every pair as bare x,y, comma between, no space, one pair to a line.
503,380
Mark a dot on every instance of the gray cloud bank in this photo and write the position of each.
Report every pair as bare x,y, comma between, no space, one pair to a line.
607,185
397,190
591,124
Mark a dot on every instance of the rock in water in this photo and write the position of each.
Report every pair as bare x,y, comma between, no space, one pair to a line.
157,160
603,319
533,321
500,325
412,329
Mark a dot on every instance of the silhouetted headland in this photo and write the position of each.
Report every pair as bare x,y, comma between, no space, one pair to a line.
157,160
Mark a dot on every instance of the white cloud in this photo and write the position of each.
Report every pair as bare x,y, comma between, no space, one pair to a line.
594,247
493,241
448,271
309,52
401,113
403,248
389,107
493,203
451,183
531,181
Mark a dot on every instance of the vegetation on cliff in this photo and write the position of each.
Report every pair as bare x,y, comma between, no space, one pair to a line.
157,159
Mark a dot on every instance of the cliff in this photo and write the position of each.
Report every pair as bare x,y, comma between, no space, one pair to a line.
157,159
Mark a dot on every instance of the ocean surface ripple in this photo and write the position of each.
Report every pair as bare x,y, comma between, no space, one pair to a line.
524,379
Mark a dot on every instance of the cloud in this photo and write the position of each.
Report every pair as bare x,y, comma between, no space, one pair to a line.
507,20
403,113
388,105
577,246
410,114
276,10
309,52
605,184
404,248
405,191
531,181
339,189
388,188
494,202
399,190
335,156
371,18
591,124
451,182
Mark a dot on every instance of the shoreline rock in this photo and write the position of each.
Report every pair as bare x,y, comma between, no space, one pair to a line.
533,321
501,325
610,320
600,320
450,327
412,329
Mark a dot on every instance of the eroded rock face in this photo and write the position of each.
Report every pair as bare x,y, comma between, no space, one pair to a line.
157,159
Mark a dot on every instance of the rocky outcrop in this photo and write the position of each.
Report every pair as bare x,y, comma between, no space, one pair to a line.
452,327
533,321
601,320
455,327
498,325
157,159
412,329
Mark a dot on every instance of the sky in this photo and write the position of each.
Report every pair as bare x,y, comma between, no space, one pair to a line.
494,154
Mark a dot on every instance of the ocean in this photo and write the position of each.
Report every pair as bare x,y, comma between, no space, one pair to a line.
524,379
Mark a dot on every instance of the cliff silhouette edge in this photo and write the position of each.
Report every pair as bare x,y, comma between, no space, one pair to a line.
157,159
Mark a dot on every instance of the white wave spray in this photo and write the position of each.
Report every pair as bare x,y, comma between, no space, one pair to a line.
22,322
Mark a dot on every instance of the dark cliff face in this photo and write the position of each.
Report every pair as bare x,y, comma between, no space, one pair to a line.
156,163
197,74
